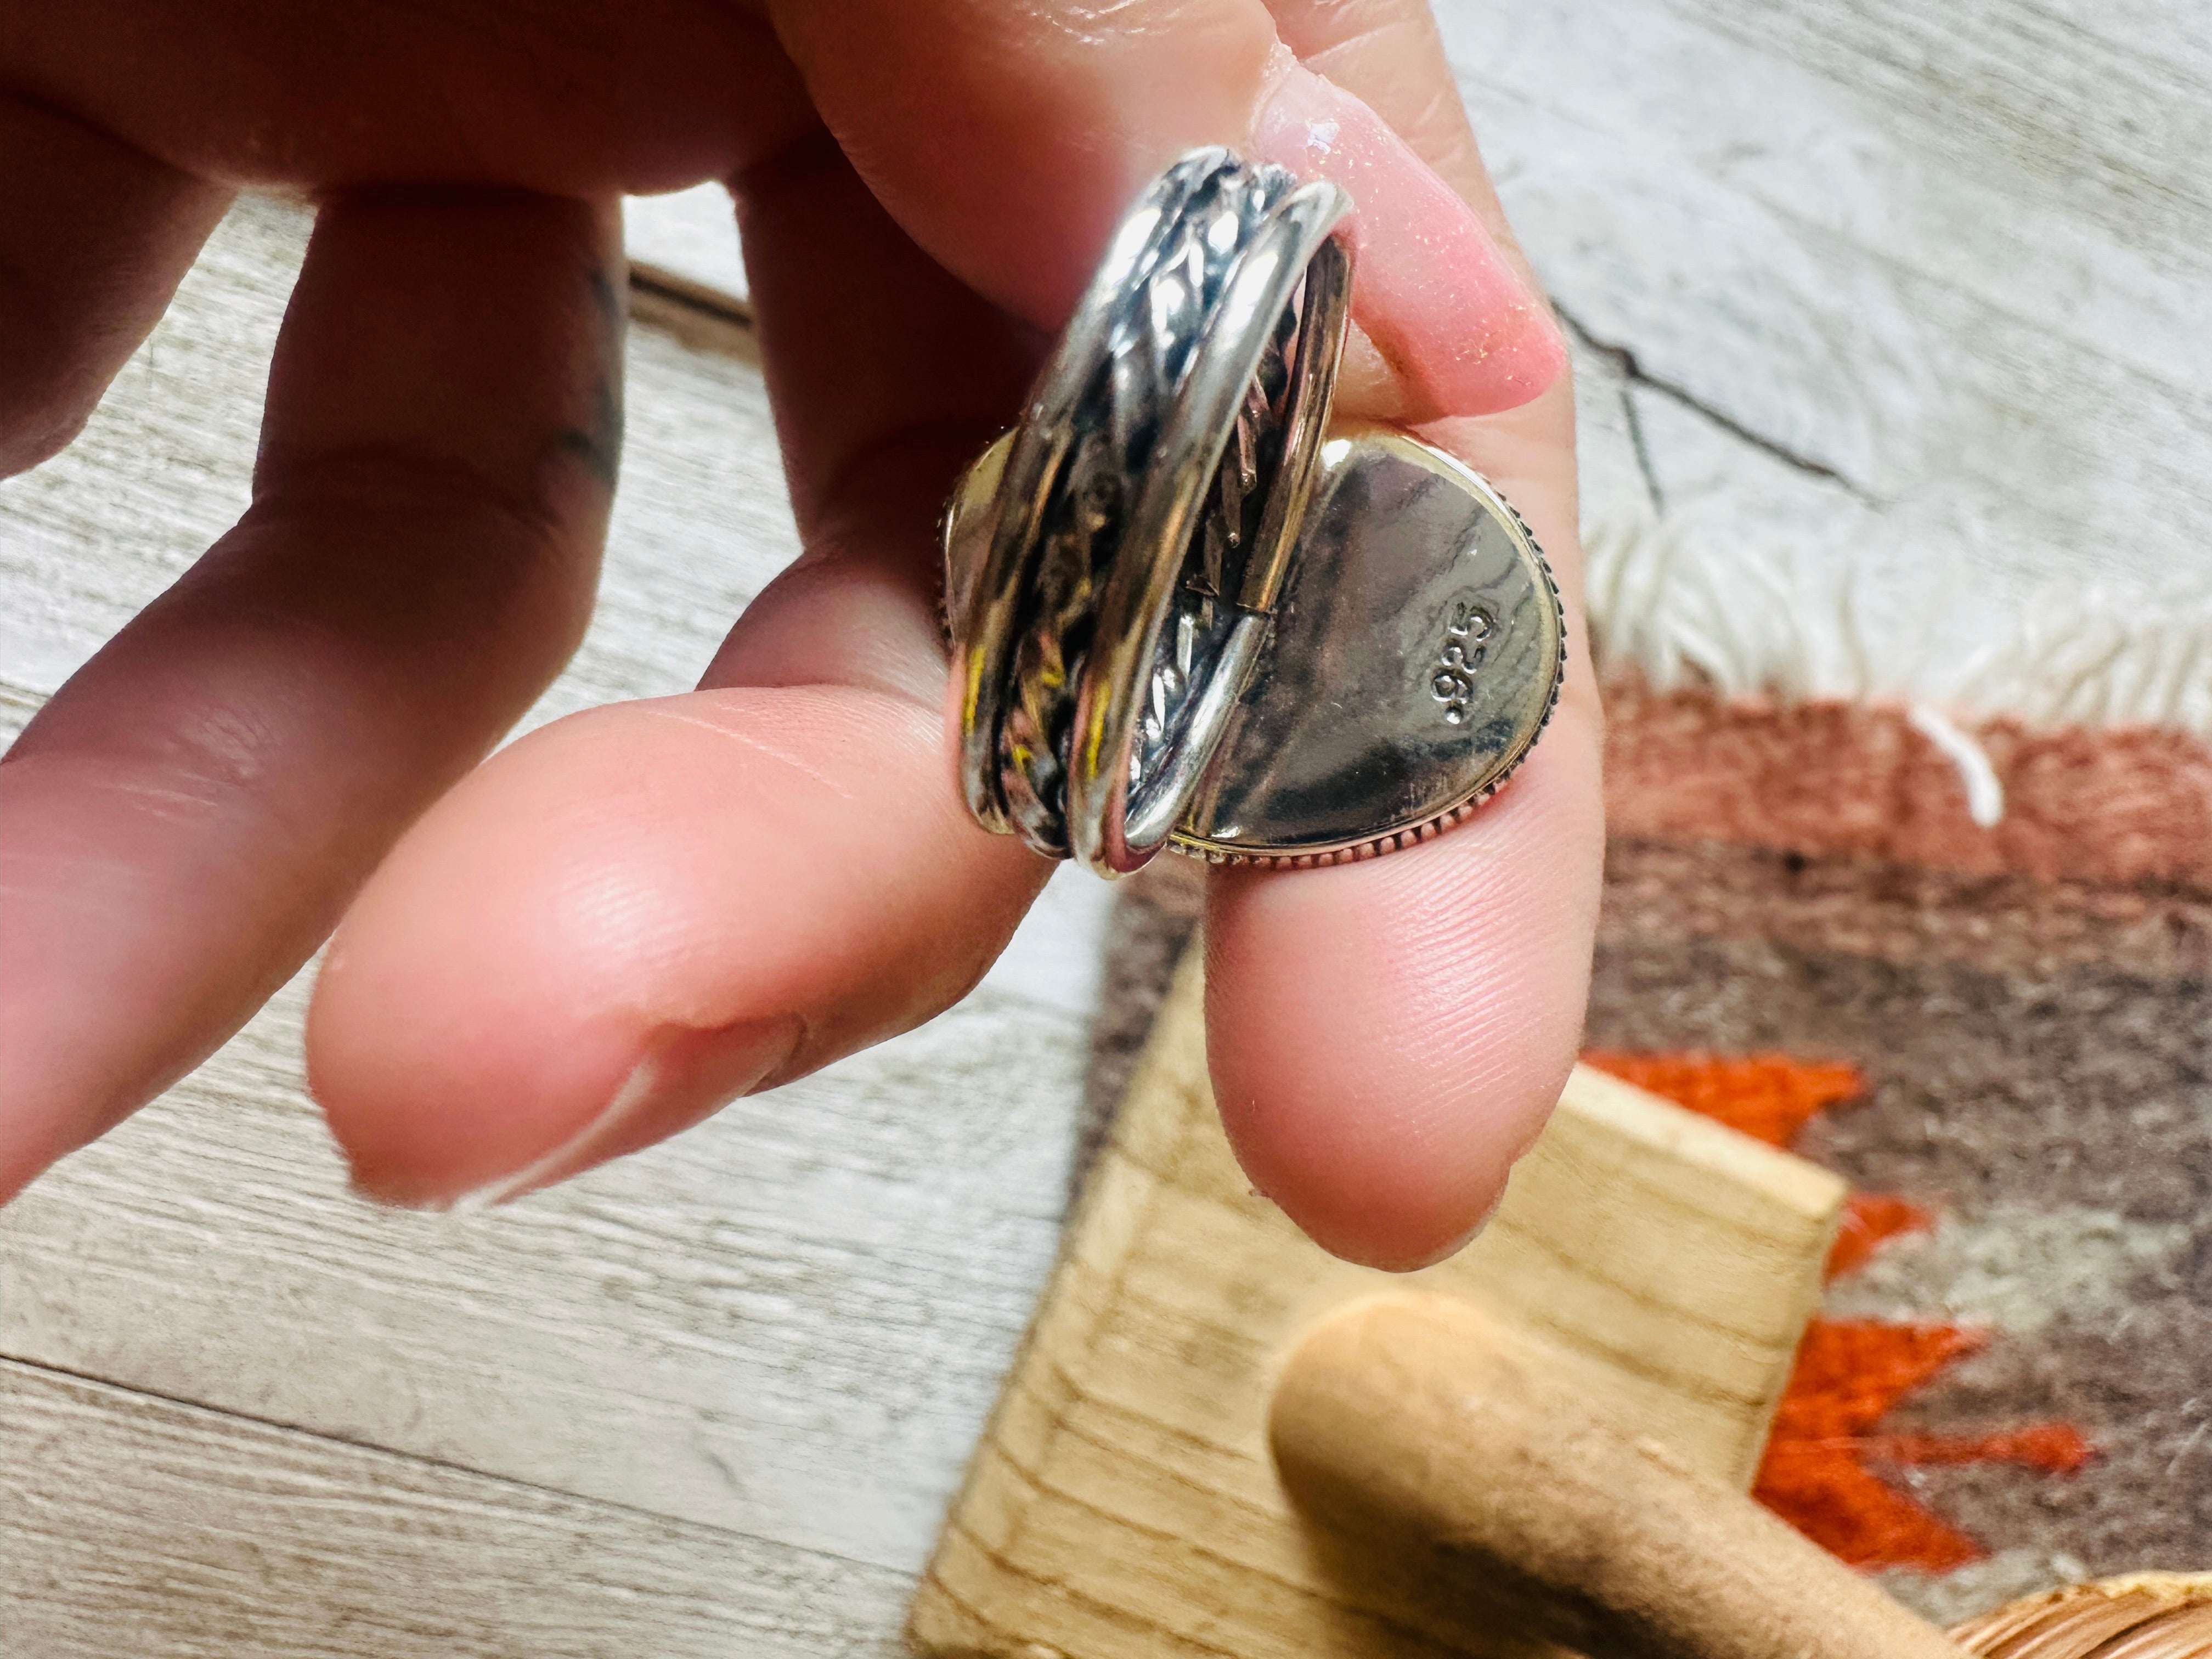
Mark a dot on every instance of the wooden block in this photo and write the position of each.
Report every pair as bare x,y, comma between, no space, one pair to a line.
1123,1502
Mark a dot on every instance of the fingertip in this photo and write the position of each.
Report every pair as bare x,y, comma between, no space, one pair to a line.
1387,1037
99,234
634,915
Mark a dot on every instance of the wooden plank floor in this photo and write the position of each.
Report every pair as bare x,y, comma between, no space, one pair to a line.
1900,310
1862,292
139,1525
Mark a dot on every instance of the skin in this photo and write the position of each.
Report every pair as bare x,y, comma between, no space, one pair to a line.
597,937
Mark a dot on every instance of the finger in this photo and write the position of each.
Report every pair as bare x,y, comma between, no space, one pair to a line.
1408,101
1008,140
1387,1037
566,97
94,236
187,815
634,915
887,379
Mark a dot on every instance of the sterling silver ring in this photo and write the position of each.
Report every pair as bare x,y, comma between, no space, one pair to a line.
1185,612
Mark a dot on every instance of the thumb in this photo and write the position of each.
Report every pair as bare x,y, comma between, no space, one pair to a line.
1008,140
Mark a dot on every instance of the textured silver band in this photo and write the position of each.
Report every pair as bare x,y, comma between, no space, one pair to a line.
1187,610
1146,510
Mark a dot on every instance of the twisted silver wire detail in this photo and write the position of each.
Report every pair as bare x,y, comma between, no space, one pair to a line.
1185,611
1153,336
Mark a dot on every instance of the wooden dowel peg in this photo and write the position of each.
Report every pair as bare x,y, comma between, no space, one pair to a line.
1418,1424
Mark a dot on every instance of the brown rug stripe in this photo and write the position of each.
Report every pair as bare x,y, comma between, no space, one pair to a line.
1834,778
1903,913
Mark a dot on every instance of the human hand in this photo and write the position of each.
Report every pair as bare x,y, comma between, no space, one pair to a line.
629,916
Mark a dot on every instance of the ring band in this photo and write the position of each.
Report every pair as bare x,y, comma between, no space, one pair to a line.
1180,611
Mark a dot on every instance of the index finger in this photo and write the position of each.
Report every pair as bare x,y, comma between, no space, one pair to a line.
636,914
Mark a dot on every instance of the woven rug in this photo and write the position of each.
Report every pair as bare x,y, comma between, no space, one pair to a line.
1977,987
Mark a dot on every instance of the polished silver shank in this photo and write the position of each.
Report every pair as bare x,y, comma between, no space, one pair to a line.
1106,618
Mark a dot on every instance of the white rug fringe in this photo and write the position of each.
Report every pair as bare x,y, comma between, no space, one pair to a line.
1985,800
1793,628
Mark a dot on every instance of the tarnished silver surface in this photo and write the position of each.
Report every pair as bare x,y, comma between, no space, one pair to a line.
1416,654
1179,616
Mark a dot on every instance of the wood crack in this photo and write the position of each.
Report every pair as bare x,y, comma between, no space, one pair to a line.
186,1405
1638,441
1624,359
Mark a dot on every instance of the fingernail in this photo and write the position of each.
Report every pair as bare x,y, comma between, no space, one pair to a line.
1432,289
684,1076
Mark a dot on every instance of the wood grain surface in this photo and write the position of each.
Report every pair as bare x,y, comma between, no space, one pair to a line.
1863,290
1124,1504
140,1525
1893,312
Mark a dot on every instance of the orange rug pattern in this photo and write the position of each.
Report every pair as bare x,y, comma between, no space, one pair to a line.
1816,1473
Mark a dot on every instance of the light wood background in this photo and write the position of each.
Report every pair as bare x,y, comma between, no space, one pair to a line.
1874,294
1647,1266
